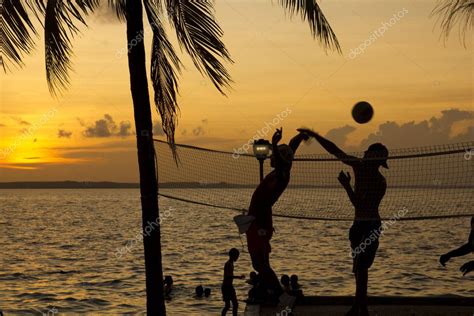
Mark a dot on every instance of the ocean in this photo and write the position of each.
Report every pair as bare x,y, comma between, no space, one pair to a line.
79,251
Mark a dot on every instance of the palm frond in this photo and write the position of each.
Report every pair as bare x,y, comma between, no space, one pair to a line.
165,66
60,27
320,27
16,31
120,8
455,12
200,35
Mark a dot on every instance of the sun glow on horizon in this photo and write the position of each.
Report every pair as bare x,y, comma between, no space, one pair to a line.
410,76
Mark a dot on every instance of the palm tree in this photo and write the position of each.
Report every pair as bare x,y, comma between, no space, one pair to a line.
455,12
198,34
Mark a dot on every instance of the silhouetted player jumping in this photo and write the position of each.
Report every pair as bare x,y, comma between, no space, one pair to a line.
369,190
267,193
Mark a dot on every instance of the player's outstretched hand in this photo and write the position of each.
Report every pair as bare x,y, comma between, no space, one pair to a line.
443,259
467,267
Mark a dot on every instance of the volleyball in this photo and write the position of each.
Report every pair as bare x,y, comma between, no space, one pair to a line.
362,112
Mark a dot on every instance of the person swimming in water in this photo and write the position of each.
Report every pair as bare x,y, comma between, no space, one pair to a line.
285,282
198,291
168,286
369,189
465,249
265,196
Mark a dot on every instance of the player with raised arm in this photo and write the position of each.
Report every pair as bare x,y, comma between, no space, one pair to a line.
265,196
369,190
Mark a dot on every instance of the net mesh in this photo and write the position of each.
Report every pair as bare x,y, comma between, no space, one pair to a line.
423,183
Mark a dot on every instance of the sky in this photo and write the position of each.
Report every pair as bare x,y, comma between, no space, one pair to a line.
420,85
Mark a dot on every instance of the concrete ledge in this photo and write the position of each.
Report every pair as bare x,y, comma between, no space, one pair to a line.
390,300
378,305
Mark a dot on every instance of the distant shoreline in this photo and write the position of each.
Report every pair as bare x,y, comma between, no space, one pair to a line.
68,185
171,185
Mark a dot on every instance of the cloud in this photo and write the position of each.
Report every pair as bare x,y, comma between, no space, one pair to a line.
2,125
339,134
107,127
200,130
105,14
20,121
81,121
452,126
125,129
64,134
435,131
102,128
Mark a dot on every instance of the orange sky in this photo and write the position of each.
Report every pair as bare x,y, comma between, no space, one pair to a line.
407,73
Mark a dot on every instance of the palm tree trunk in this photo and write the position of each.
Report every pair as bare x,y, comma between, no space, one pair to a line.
146,161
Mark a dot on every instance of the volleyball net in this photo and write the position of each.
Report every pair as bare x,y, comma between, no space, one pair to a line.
422,183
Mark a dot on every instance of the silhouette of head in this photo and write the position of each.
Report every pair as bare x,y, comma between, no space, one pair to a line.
377,154
234,254
285,280
472,223
207,292
168,280
199,290
294,280
286,154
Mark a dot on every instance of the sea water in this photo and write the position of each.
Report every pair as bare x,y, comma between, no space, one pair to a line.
80,251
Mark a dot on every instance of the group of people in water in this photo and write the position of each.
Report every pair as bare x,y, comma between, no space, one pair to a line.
200,292
258,293
366,194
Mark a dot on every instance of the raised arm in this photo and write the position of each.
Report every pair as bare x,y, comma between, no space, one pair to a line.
345,180
281,166
331,147
296,141
275,152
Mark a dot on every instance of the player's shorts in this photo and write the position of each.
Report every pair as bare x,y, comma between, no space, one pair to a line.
364,237
228,293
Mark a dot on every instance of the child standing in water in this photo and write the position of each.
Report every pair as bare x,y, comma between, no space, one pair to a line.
228,290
